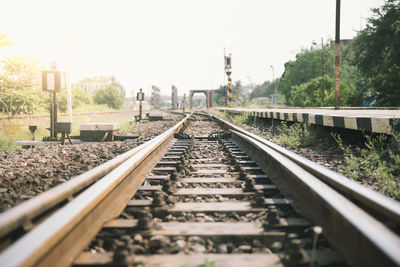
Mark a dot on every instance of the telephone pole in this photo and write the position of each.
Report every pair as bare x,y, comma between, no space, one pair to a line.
337,56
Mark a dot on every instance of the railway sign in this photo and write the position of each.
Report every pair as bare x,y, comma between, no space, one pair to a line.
140,96
53,81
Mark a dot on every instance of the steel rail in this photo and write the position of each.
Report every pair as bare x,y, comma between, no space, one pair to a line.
369,198
362,239
58,239
24,213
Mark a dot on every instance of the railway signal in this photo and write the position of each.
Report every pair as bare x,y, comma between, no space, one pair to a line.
140,98
228,70
53,81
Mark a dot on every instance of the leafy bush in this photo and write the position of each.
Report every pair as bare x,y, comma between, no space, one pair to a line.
240,119
319,93
377,54
296,135
79,98
7,142
20,87
109,96
380,160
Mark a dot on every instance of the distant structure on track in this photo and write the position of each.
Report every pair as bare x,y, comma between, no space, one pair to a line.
209,97
174,97
155,100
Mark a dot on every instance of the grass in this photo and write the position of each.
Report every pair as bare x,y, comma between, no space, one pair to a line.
92,108
292,136
295,135
379,159
240,119
18,129
9,137
218,113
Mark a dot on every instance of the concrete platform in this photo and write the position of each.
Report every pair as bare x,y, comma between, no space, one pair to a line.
369,120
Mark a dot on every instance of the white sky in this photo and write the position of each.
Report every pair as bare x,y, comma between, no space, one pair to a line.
178,42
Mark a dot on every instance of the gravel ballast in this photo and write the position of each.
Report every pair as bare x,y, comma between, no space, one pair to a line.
26,173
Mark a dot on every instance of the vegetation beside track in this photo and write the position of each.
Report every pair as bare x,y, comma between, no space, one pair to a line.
379,160
375,163
17,129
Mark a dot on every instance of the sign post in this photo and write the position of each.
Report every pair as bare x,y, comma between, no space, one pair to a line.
228,67
140,98
53,81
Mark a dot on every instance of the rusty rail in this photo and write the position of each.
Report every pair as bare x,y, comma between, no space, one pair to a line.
23,214
57,240
352,213
366,197
362,239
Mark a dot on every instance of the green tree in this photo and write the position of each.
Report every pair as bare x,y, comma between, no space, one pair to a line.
109,96
237,93
219,96
237,90
320,92
306,67
97,82
4,42
377,54
78,95
264,90
20,86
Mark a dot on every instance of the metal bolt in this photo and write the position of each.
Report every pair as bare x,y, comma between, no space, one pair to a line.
296,253
120,255
242,175
273,216
145,219
249,186
259,200
173,176
158,199
168,187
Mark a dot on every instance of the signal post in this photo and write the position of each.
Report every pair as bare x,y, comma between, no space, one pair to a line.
228,70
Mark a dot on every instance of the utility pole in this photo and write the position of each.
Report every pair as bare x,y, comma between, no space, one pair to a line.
184,102
228,70
337,56
322,66
274,97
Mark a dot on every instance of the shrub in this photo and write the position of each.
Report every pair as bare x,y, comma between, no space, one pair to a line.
79,98
379,159
240,119
109,96
296,135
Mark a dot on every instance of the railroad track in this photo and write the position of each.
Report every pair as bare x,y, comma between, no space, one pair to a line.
222,196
